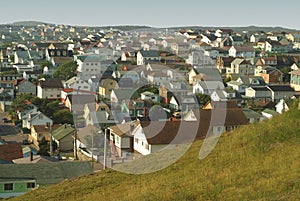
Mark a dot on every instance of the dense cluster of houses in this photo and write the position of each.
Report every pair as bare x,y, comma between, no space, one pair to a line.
139,89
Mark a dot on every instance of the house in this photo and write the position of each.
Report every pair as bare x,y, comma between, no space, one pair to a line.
77,102
241,67
38,132
295,79
106,87
244,51
207,87
223,62
167,90
77,83
121,138
259,93
98,115
145,57
237,86
58,56
252,116
271,75
63,136
135,107
49,89
147,95
267,113
90,65
252,81
25,87
184,103
35,119
13,187
46,173
150,137
118,95
281,92
267,61
282,107
223,94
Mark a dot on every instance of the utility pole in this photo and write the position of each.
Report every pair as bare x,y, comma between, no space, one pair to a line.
105,145
75,146
51,148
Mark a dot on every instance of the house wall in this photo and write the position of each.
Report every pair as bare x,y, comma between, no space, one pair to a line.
66,143
49,93
19,188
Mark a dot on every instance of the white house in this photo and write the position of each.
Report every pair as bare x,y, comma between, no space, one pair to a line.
282,107
35,119
242,51
50,89
147,95
145,57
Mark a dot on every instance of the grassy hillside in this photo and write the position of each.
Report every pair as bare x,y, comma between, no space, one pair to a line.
258,162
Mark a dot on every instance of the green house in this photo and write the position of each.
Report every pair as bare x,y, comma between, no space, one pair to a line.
12,187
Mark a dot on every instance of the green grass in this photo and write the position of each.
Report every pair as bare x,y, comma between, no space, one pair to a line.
257,162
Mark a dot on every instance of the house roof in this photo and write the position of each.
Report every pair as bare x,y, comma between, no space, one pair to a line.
250,113
36,159
244,48
178,132
150,53
124,129
63,131
9,152
47,173
51,83
281,88
295,72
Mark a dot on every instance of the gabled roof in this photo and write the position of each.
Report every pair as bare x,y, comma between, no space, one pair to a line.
244,48
124,129
63,131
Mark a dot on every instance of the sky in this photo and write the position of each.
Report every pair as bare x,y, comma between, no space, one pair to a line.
155,13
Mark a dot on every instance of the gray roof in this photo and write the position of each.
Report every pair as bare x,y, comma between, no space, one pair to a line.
150,53
47,173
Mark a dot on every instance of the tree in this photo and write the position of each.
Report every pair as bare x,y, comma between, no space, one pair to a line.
63,117
66,71
202,99
19,103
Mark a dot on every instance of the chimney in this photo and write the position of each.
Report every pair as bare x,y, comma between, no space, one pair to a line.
31,156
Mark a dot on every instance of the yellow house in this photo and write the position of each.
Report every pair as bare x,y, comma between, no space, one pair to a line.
106,86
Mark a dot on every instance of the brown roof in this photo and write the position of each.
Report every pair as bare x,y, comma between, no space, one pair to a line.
178,132
43,128
123,129
10,152
51,83
244,48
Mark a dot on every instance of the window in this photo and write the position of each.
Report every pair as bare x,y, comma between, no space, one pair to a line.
147,146
9,187
136,140
31,185
102,109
